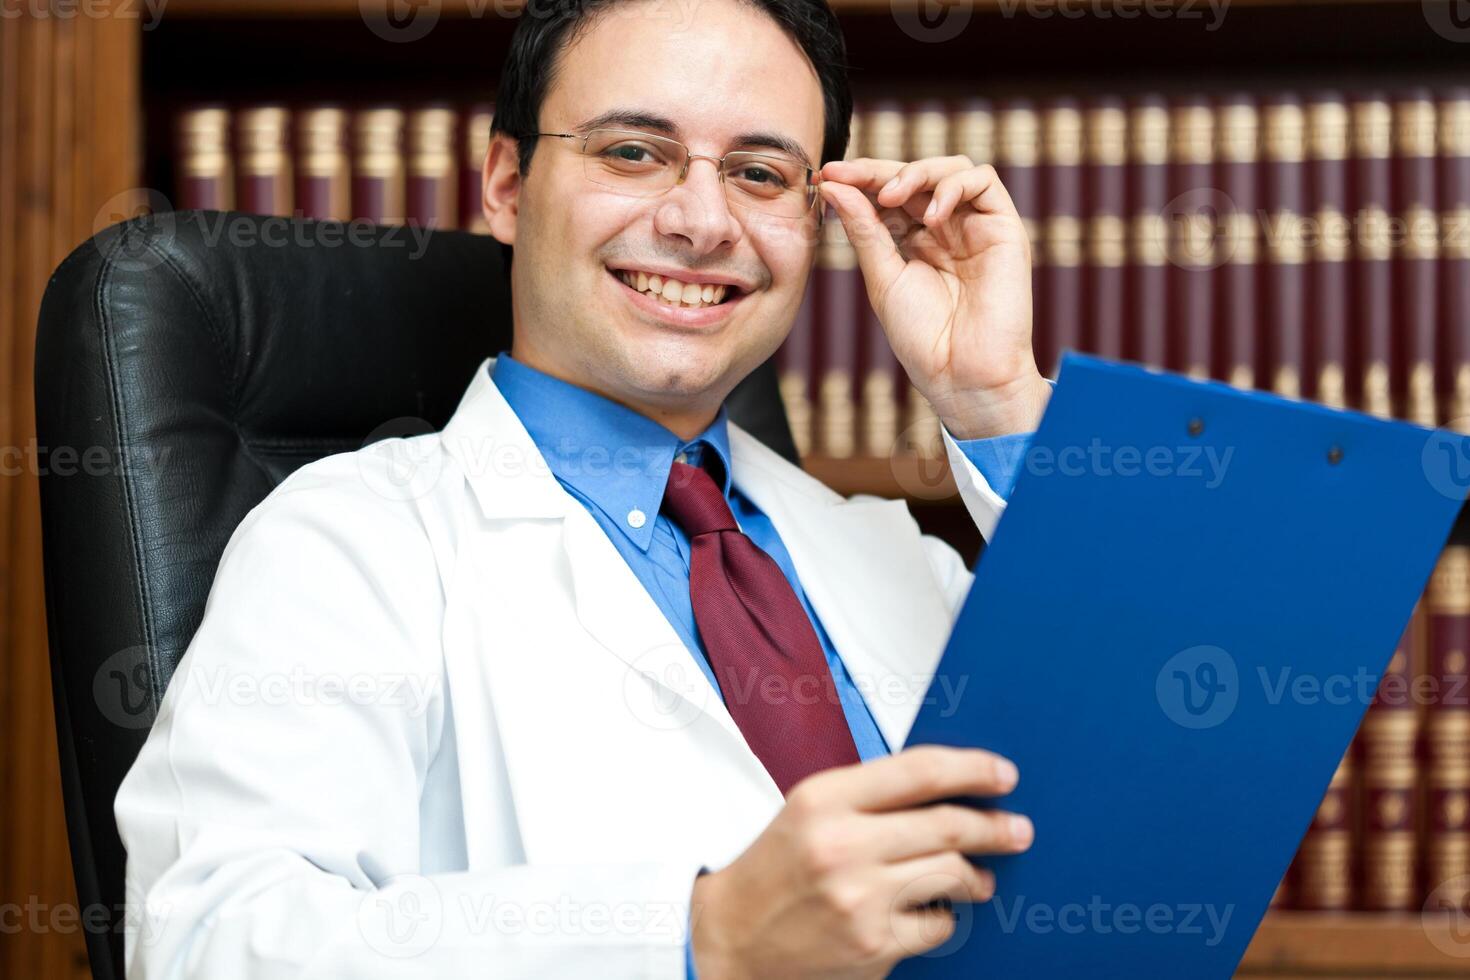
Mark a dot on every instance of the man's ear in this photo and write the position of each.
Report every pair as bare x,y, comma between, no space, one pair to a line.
500,183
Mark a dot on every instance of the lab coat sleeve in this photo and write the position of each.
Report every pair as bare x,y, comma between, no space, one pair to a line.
271,820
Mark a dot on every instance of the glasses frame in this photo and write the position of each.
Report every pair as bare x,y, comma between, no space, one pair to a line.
813,177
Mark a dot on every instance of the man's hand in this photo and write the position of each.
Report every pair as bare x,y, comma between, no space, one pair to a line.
838,884
947,267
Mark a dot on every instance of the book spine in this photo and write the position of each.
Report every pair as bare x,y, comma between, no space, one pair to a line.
1447,735
1105,157
263,183
205,173
475,139
1329,246
1239,132
377,166
1017,156
323,167
1454,204
794,365
1324,862
1061,195
1372,138
1417,263
1285,148
883,130
934,133
431,191
1191,214
1148,188
838,287
1388,739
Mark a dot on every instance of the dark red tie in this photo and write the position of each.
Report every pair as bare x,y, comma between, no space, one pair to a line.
759,640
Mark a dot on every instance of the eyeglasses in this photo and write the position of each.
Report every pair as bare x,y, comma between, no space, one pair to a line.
641,164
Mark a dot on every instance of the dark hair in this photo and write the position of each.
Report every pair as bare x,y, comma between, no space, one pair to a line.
545,28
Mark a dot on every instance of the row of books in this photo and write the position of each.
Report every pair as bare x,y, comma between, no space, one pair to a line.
381,163
1313,244
1393,832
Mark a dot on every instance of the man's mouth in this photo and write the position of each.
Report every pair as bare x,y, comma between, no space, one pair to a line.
674,292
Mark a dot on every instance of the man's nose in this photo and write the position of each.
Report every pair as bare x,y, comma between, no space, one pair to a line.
697,209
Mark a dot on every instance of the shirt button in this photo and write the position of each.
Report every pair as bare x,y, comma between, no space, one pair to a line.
636,518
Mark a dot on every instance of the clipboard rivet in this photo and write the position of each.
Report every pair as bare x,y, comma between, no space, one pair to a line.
1196,426
1334,455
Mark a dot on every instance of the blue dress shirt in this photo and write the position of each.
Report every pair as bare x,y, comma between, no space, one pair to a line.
616,462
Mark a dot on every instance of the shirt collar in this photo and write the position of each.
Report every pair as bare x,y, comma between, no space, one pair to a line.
609,453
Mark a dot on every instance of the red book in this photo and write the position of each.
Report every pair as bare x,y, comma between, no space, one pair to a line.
1454,279
1387,741
431,182
1238,123
1105,198
1323,869
1447,736
475,140
377,166
263,183
883,131
1148,195
323,167
1371,184
1284,200
1061,197
1329,248
1191,215
1417,263
1017,157
204,147
838,301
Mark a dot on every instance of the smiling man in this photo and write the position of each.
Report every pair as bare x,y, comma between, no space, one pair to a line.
665,675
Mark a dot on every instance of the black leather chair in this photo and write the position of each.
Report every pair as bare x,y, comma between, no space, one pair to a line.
185,364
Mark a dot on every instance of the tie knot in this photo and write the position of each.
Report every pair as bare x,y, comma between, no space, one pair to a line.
695,503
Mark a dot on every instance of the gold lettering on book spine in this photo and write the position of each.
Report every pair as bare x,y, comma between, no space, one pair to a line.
1421,394
1413,128
1107,237
204,143
477,147
1286,133
263,142
1192,136
838,415
1372,129
1062,136
1453,132
1148,135
379,156
1239,133
1449,586
929,135
1332,386
880,413
1328,131
1107,136
1421,233
798,405
1377,399
974,134
321,138
1018,142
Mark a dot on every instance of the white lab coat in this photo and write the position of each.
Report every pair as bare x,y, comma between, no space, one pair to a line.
432,725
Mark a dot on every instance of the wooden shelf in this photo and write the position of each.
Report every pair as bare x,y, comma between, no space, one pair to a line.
918,479
1356,944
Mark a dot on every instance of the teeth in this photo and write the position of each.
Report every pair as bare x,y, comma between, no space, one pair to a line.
672,291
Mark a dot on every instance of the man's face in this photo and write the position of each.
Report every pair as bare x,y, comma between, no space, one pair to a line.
715,69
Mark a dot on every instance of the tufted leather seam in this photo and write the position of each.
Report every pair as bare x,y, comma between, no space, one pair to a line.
104,277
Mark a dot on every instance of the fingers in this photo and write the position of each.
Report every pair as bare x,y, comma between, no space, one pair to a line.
947,827
928,190
918,775
877,255
950,877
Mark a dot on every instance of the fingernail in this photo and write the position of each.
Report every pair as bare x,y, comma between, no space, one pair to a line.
1006,773
890,185
1021,830
933,207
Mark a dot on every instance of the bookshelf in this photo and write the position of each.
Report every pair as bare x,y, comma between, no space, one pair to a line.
85,103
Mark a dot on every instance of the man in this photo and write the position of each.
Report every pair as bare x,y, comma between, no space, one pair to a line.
562,710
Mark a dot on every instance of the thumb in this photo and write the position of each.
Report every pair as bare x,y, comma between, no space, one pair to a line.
877,255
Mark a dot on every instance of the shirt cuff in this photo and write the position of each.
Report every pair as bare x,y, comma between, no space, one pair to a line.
999,458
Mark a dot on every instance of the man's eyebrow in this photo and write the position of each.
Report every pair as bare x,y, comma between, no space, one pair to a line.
639,119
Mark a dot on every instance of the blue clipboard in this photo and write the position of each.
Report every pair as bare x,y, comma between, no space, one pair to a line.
1176,557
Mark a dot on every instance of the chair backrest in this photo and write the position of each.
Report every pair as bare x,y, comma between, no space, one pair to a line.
185,364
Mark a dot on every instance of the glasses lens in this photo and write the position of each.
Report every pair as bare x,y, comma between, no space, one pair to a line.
769,184
632,163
